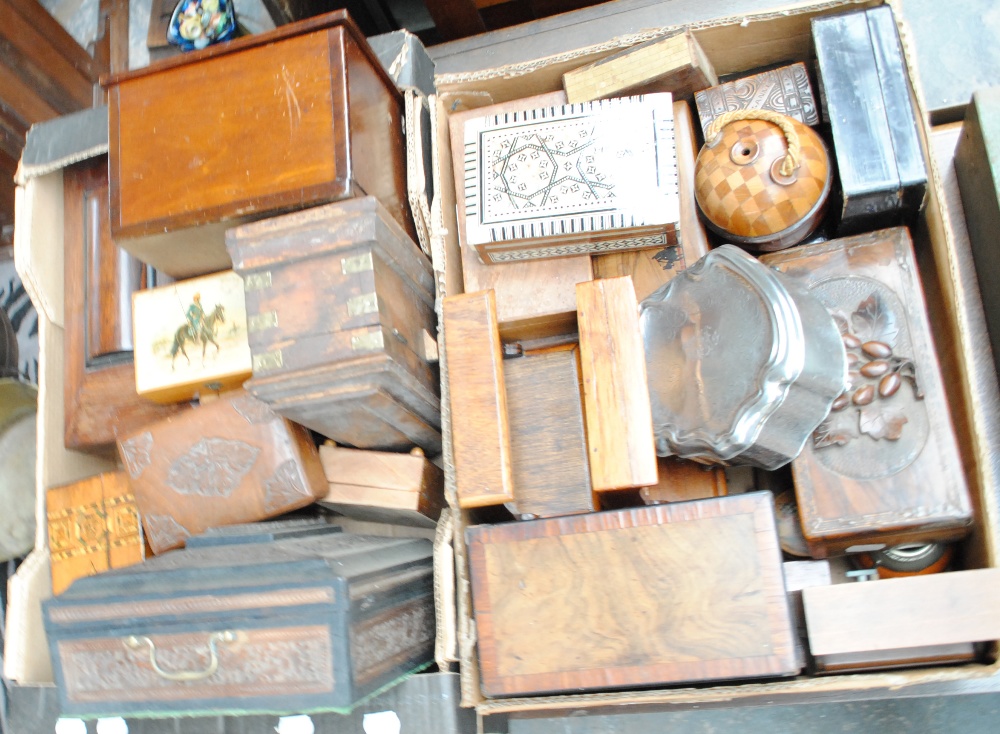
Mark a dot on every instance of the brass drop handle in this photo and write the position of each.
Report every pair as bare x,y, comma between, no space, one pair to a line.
135,642
790,162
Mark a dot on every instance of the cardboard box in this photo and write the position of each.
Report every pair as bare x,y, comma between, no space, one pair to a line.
737,45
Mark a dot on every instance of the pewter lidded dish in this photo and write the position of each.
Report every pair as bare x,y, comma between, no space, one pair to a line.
743,365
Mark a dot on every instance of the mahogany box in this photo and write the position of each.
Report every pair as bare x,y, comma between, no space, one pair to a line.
297,625
294,117
677,593
340,314
229,461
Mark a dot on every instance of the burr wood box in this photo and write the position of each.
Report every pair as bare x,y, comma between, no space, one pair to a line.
294,117
884,468
340,315
670,594
288,626
229,461
190,338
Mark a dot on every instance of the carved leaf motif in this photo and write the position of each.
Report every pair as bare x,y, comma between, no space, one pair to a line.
135,453
286,487
841,320
874,321
881,422
163,531
213,467
837,430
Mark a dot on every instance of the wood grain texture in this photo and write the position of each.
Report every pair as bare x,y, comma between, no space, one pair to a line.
93,526
229,461
100,398
900,614
680,480
548,443
620,445
479,414
309,117
888,472
534,299
379,485
674,64
640,597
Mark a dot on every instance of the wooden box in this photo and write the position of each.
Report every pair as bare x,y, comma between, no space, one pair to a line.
229,461
93,526
191,337
298,625
884,468
976,164
785,90
337,296
680,480
297,116
380,486
863,78
657,595
571,180
261,532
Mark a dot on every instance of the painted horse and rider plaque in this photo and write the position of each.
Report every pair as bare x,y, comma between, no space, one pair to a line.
191,337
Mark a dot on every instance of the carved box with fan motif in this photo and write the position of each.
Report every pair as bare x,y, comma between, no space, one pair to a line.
297,624
884,467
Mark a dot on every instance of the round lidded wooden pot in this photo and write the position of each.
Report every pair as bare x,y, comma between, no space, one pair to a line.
762,179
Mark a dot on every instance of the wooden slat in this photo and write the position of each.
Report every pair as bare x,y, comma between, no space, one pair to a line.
23,98
480,431
61,41
681,480
891,614
619,418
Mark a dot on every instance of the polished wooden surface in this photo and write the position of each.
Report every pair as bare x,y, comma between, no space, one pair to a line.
479,416
100,398
405,488
229,461
535,298
669,594
680,480
887,471
93,526
620,445
548,443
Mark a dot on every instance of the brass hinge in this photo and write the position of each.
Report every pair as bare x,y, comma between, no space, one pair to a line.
368,341
360,305
357,264
267,361
257,281
262,321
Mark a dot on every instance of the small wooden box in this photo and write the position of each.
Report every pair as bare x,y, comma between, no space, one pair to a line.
863,80
680,480
294,117
190,337
93,526
571,180
382,487
340,299
229,461
295,625
641,597
884,468
785,90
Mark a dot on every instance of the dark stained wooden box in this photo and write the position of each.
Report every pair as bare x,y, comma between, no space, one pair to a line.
685,592
298,116
297,625
340,315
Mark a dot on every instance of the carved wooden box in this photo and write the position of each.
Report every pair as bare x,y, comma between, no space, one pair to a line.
297,116
677,593
884,468
296,625
340,307
93,525
229,461
190,338
571,180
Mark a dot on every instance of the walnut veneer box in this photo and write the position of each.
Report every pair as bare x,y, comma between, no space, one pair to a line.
298,116
677,593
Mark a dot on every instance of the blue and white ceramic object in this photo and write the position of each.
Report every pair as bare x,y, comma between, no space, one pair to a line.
198,23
